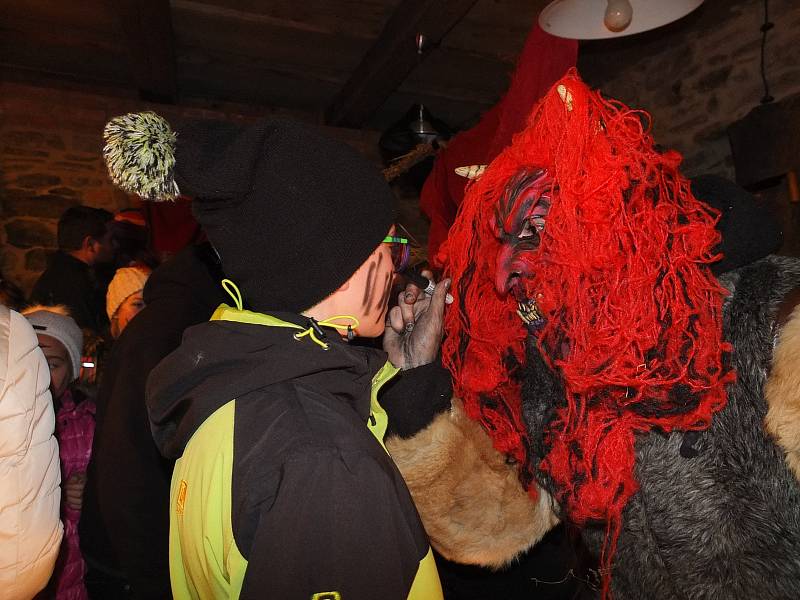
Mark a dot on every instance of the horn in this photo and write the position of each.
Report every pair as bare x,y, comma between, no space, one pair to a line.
566,95
470,172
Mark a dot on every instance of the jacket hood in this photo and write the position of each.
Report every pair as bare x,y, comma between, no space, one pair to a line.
239,352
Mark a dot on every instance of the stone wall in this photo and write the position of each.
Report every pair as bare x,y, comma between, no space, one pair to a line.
700,74
50,159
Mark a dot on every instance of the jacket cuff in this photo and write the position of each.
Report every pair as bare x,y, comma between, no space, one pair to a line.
414,398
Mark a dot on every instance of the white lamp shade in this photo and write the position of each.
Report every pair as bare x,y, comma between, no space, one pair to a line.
583,19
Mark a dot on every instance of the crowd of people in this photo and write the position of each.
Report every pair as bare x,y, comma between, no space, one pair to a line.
114,327
76,312
267,414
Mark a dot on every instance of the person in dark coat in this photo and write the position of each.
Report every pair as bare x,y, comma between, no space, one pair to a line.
125,532
84,244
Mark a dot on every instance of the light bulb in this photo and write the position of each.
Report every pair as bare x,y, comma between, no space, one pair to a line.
618,15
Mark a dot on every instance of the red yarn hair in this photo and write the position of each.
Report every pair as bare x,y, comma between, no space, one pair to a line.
633,314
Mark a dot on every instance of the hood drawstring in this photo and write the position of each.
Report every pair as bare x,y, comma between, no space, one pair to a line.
314,331
233,292
315,328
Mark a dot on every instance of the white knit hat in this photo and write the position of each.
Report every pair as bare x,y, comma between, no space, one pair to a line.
54,321
126,281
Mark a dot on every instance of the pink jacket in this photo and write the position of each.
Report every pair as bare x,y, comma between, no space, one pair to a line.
75,431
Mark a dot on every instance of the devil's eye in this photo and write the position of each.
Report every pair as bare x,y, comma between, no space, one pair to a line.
532,228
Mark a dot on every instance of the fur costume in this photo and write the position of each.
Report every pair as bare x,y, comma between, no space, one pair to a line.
619,395
717,514
469,497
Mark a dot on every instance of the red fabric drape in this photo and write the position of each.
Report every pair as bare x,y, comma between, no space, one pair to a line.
172,226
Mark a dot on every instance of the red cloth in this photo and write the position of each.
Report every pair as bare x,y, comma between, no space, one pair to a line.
172,226
544,59
75,432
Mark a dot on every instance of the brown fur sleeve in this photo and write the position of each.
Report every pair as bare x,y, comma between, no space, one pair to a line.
783,392
471,502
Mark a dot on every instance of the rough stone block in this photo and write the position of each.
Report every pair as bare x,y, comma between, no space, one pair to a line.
37,180
74,166
91,144
695,119
36,259
24,152
34,139
24,138
714,79
9,260
711,133
27,234
83,157
65,191
49,206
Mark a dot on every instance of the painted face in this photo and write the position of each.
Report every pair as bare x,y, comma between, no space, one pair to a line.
519,223
59,363
371,288
130,307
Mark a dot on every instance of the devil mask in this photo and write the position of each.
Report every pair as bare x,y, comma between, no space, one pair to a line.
585,242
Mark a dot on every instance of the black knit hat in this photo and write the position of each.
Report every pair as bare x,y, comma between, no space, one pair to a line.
292,213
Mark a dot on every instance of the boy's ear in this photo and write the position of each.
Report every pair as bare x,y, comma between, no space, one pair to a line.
86,244
344,286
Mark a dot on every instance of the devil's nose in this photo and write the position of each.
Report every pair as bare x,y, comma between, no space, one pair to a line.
504,271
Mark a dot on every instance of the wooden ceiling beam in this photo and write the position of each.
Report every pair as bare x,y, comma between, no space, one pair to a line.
147,26
392,57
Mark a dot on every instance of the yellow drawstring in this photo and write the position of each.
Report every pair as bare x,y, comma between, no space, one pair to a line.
310,333
236,295
329,322
233,292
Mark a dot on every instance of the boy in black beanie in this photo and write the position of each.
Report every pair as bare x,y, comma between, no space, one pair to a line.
282,487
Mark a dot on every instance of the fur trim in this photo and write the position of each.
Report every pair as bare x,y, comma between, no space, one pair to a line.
469,497
782,392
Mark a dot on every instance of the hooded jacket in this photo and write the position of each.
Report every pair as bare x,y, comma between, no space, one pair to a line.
30,532
125,524
284,439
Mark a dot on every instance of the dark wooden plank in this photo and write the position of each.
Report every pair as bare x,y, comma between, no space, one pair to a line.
451,73
392,57
268,42
458,114
59,52
92,15
496,28
352,18
243,82
147,26
36,31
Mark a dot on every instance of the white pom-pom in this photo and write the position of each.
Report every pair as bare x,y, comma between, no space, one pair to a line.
140,155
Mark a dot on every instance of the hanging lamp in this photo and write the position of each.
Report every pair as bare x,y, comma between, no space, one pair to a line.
598,19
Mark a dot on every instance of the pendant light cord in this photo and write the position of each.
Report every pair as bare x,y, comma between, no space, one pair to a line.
767,98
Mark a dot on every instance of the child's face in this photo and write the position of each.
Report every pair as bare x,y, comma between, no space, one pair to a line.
59,363
131,306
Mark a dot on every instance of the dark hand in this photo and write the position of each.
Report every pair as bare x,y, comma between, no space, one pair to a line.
415,327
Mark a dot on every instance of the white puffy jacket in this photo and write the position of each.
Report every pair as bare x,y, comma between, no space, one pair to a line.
30,491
